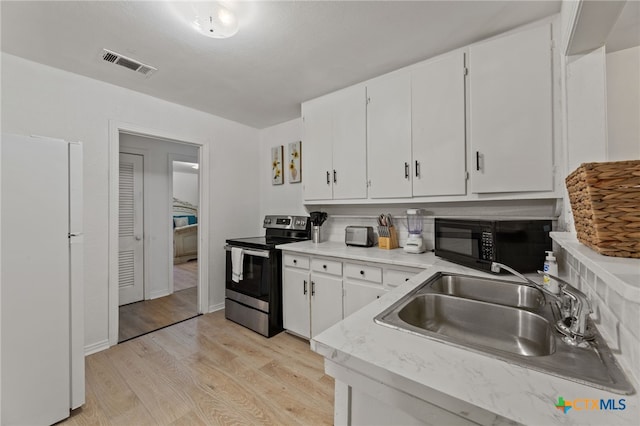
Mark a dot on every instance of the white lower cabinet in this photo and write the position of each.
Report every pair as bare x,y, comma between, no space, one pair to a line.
358,295
393,277
296,309
318,292
311,294
326,295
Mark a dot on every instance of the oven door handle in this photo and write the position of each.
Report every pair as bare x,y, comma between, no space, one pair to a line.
260,253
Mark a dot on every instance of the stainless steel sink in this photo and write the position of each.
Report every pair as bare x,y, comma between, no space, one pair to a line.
489,290
504,320
502,328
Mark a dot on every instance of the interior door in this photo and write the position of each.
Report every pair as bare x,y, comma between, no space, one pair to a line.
131,241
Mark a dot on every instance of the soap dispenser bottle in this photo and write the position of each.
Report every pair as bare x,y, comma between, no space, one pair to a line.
551,267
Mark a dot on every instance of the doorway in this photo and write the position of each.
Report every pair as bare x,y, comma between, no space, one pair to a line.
160,298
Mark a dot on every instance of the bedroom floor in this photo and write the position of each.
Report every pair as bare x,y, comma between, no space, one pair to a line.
143,317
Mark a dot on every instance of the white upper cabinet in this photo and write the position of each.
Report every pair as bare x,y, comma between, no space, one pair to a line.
317,163
510,103
350,144
389,136
438,126
335,146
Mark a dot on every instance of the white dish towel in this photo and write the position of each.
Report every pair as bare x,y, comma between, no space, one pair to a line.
237,260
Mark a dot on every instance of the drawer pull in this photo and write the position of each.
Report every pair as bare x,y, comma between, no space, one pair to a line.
295,261
361,272
406,279
305,287
324,266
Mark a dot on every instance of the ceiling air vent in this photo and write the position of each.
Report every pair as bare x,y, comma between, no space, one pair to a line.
132,64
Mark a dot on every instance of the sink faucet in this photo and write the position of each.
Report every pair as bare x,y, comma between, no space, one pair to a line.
574,306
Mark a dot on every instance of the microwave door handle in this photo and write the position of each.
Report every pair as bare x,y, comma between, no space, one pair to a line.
259,253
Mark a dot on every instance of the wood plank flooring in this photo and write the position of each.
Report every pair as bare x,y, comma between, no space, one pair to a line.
206,371
142,317
185,275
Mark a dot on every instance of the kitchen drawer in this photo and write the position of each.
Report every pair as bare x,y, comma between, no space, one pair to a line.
326,266
395,277
296,261
370,274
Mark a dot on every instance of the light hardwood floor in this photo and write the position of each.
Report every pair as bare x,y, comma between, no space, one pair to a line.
136,319
206,371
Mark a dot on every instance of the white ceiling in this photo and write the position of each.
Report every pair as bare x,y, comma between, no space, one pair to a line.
286,52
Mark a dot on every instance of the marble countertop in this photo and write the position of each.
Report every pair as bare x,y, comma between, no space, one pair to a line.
622,274
405,361
396,257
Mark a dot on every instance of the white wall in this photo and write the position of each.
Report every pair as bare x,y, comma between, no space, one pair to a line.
37,99
158,227
185,187
623,104
285,198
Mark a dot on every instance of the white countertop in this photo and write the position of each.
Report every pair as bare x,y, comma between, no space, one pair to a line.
621,273
396,257
404,360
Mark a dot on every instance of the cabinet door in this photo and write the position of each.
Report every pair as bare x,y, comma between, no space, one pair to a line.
358,295
511,113
326,302
389,136
316,149
350,143
437,122
295,301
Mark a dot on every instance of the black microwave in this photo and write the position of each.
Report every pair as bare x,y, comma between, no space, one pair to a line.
520,244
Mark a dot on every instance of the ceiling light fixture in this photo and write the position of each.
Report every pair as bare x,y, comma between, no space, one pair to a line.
215,21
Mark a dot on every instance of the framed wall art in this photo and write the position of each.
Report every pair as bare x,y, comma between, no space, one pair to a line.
277,175
295,160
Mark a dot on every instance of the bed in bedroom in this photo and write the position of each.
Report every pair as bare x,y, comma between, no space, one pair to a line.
185,231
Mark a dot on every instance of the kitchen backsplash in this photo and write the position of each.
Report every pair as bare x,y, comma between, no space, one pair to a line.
333,228
341,216
616,316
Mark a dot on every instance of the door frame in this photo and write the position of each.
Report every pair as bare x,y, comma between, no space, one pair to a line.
115,128
171,158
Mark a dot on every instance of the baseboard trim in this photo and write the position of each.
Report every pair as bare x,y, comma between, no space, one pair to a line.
96,347
216,307
159,294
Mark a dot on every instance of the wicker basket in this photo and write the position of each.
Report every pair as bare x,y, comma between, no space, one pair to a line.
605,199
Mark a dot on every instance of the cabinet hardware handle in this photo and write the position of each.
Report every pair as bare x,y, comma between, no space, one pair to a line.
335,177
406,170
361,272
328,178
295,261
406,279
305,287
313,288
417,168
377,297
478,160
324,266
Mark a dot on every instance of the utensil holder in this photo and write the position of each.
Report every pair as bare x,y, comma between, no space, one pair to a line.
315,234
390,242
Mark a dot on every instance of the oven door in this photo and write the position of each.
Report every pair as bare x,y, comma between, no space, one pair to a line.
466,242
257,268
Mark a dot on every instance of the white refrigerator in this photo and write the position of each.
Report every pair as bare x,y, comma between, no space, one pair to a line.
42,298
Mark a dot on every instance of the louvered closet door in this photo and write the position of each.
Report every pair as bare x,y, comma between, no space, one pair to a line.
131,244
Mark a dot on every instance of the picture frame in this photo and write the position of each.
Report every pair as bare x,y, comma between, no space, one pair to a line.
294,160
277,172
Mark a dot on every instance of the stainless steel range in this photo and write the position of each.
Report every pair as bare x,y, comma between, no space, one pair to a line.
254,286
